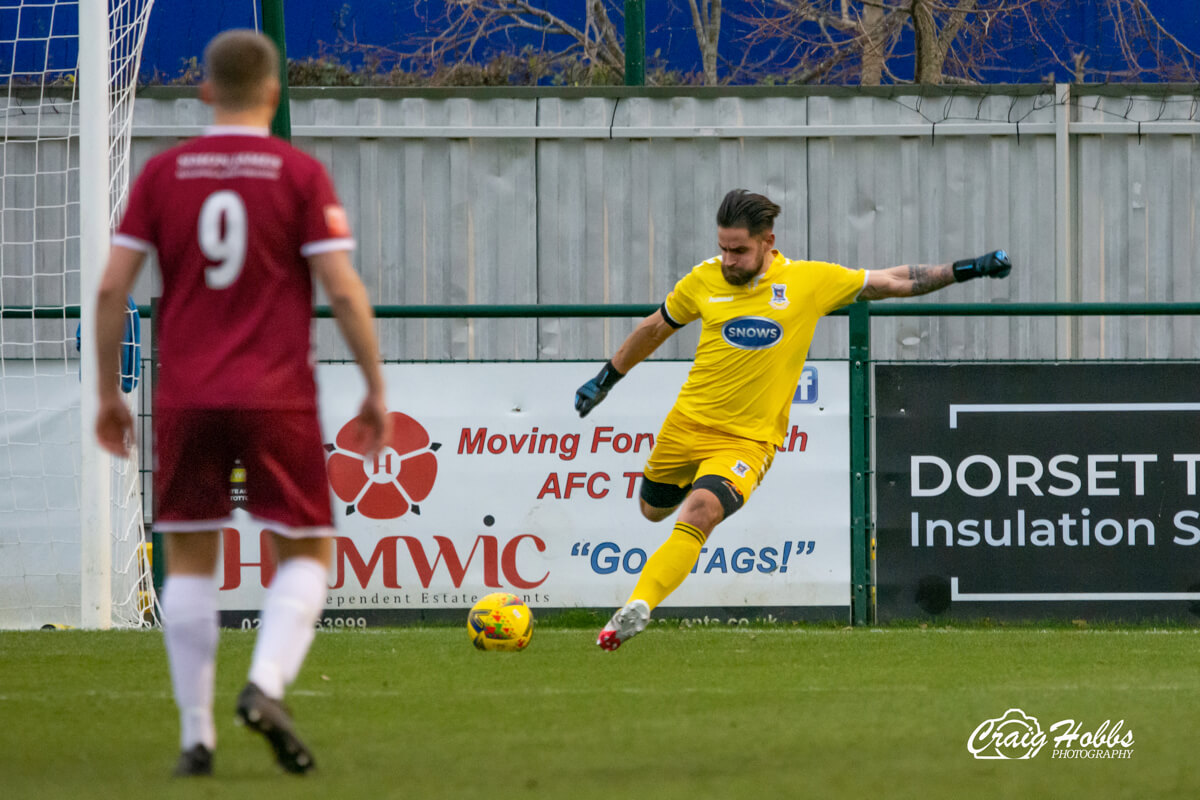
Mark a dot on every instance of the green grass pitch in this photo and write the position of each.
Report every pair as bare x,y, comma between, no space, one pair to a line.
691,713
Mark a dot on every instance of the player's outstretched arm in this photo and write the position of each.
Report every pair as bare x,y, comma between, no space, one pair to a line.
114,424
352,310
910,280
644,340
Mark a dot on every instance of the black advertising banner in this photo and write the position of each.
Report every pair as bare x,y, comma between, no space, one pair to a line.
1038,491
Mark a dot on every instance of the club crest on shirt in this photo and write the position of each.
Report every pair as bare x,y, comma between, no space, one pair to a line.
740,468
779,295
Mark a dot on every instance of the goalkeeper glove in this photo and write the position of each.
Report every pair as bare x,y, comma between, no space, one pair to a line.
591,393
992,265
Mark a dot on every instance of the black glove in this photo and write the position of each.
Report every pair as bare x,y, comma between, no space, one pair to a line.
992,265
591,393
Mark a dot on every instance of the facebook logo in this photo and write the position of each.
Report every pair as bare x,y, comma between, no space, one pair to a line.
806,391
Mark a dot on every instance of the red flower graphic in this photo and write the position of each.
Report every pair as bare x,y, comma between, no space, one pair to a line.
395,480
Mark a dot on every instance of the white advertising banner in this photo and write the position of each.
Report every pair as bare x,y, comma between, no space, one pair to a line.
492,482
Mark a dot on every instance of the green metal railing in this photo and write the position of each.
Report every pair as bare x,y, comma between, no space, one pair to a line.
542,310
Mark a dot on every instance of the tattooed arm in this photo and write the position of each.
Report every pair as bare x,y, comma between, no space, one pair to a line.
908,280
914,279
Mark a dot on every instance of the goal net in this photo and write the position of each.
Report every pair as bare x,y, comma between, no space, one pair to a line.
72,541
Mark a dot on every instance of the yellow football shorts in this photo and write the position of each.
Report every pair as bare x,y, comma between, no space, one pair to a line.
686,450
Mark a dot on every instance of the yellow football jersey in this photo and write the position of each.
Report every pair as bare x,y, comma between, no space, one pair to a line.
755,339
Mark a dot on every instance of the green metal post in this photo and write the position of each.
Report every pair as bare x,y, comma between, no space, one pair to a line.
861,538
635,42
272,11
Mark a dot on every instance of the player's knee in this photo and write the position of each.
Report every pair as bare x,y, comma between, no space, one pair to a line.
702,510
724,490
653,513
659,500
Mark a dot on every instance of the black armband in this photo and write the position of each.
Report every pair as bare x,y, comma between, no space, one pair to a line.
667,317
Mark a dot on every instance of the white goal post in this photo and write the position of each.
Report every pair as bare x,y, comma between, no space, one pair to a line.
72,540
95,512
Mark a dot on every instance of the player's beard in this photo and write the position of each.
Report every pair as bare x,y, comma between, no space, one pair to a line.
736,276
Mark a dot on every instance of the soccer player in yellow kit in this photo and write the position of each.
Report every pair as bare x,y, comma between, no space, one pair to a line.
759,310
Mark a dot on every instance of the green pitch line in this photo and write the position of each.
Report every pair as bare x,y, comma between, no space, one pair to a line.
676,713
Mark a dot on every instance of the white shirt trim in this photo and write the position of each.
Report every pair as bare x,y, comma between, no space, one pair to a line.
131,242
235,130
294,531
192,526
866,276
289,531
325,246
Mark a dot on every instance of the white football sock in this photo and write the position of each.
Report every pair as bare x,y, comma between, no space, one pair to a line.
189,609
289,616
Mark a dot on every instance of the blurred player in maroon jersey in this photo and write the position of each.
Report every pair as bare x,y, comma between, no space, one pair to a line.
241,222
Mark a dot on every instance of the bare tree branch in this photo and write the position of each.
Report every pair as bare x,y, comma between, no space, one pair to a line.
468,23
959,40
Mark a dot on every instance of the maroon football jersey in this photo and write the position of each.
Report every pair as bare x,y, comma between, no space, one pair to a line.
233,214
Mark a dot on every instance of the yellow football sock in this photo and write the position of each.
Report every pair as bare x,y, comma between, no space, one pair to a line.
669,565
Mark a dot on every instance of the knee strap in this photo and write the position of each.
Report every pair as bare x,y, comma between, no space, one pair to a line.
725,490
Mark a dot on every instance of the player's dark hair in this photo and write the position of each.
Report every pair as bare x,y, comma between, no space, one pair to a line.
744,209
237,63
